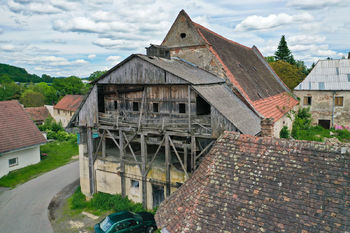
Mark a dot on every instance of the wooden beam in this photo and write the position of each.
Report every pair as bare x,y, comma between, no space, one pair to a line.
167,165
154,156
193,153
185,156
122,164
128,144
189,107
206,148
104,144
90,149
143,170
98,147
178,156
115,142
142,103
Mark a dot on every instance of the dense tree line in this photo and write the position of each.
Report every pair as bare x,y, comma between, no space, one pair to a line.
291,71
33,91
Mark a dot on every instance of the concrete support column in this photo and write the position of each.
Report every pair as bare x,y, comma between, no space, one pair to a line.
122,163
90,148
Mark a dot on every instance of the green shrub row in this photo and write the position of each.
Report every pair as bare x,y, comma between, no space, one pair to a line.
105,202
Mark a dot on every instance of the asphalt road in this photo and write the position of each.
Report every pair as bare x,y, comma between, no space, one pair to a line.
24,209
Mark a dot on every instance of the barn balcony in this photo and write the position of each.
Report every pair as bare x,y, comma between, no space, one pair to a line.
157,122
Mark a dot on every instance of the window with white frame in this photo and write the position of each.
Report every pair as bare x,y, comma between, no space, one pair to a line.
13,162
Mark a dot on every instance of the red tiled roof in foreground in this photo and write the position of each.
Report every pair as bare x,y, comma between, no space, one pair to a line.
38,113
69,102
275,106
262,184
17,130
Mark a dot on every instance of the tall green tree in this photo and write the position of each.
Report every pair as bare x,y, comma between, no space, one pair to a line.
95,75
8,89
49,92
283,53
30,98
290,74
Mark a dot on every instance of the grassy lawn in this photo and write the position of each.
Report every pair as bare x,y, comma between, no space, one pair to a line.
58,154
317,133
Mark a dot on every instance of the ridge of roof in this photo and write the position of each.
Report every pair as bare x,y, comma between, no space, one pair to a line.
218,35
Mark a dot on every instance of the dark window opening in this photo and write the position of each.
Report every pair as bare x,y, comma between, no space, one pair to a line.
115,105
13,162
135,184
135,106
157,194
324,123
182,108
307,100
183,35
203,108
155,107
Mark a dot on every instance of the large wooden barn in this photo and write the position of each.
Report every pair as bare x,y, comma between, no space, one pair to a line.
156,117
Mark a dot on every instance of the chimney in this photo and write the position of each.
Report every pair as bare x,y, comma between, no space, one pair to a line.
158,51
349,55
267,125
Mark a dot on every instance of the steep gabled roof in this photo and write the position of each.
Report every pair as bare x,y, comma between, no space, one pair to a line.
262,184
38,113
328,75
69,102
245,67
17,130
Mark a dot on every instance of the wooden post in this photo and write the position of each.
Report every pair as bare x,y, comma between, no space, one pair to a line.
167,165
185,156
90,148
122,164
104,145
189,108
143,170
193,153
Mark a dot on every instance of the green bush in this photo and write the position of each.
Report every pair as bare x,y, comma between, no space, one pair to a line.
284,133
302,121
105,202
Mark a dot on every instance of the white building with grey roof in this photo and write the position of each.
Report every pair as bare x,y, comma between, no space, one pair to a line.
326,91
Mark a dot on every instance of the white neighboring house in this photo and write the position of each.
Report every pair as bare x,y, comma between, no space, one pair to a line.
20,139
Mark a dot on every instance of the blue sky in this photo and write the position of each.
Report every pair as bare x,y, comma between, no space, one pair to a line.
61,37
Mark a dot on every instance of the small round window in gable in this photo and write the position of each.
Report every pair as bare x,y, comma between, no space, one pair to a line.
183,35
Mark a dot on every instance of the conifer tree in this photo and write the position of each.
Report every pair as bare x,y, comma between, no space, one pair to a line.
283,53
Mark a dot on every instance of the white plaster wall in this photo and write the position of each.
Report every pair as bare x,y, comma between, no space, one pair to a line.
63,116
25,157
284,121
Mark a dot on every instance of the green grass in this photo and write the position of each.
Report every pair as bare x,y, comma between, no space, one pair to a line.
102,203
317,133
58,154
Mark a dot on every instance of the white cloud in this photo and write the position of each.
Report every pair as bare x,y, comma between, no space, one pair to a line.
255,22
113,59
119,44
91,56
315,4
32,7
306,39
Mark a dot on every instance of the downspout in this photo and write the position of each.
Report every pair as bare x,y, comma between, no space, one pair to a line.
333,105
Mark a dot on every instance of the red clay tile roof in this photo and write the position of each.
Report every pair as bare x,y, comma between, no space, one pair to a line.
252,77
275,106
262,184
17,130
69,102
38,113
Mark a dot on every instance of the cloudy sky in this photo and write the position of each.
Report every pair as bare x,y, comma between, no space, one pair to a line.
61,37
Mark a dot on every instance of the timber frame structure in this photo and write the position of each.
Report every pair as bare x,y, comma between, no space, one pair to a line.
148,112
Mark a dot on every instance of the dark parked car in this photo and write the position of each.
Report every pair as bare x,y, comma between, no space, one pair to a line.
127,222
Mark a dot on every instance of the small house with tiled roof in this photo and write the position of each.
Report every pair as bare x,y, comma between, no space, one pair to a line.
20,139
326,91
66,107
263,184
38,114
243,68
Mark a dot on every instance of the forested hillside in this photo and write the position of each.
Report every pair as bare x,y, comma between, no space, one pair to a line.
18,74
